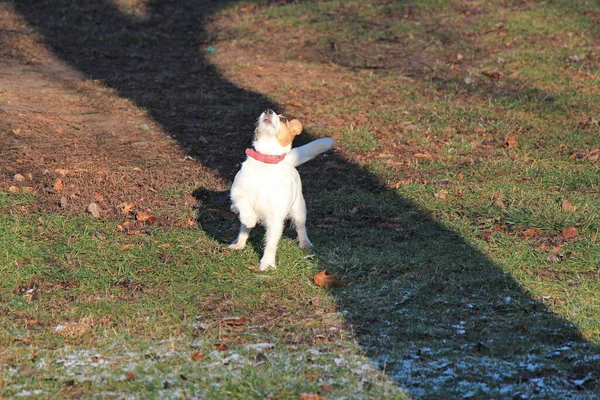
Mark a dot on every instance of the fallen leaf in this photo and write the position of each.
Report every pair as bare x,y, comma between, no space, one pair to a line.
500,203
63,202
311,376
58,185
221,347
14,189
494,76
125,208
569,233
323,280
18,178
98,197
441,194
568,206
61,171
93,209
326,388
423,156
127,247
165,246
130,376
146,217
553,258
235,321
310,396
531,232
510,141
28,189
197,356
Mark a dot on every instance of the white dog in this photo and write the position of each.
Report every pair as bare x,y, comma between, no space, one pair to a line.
267,189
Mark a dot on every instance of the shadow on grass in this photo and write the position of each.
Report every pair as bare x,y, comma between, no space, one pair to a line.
433,312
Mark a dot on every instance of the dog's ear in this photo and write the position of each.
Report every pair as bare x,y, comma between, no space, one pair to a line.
295,127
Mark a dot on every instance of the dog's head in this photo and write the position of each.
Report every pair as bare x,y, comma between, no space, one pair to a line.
272,125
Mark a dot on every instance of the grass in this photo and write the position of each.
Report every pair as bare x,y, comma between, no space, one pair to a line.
462,280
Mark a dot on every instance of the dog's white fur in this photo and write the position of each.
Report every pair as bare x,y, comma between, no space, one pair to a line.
271,193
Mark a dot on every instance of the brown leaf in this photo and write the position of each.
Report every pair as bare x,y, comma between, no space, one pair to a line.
423,156
14,189
553,258
568,206
500,203
28,189
311,376
494,76
326,388
165,246
93,209
510,141
310,396
98,197
127,247
197,356
235,321
531,232
125,207
146,217
58,185
323,280
441,194
221,346
130,376
569,233
61,171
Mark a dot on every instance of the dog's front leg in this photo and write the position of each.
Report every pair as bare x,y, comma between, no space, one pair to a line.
274,231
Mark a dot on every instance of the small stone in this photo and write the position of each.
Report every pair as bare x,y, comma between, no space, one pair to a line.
63,202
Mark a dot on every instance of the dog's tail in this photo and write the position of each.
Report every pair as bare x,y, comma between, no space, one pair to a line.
302,154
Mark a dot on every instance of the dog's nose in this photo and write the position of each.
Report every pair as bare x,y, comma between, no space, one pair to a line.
269,111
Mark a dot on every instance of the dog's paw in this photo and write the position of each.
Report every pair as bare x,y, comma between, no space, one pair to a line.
237,246
305,244
267,266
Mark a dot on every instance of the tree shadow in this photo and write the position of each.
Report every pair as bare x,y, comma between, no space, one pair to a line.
435,314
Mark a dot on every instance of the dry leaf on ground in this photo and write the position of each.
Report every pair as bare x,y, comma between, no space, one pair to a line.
58,185
323,280
510,141
310,396
235,321
93,209
125,207
569,233
198,355
531,232
568,206
145,216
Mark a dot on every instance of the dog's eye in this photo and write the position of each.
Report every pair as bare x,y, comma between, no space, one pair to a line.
283,119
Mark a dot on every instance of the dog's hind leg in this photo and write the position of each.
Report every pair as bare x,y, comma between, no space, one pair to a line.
298,215
240,242
274,231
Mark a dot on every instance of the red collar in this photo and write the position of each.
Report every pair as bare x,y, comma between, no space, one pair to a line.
267,159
